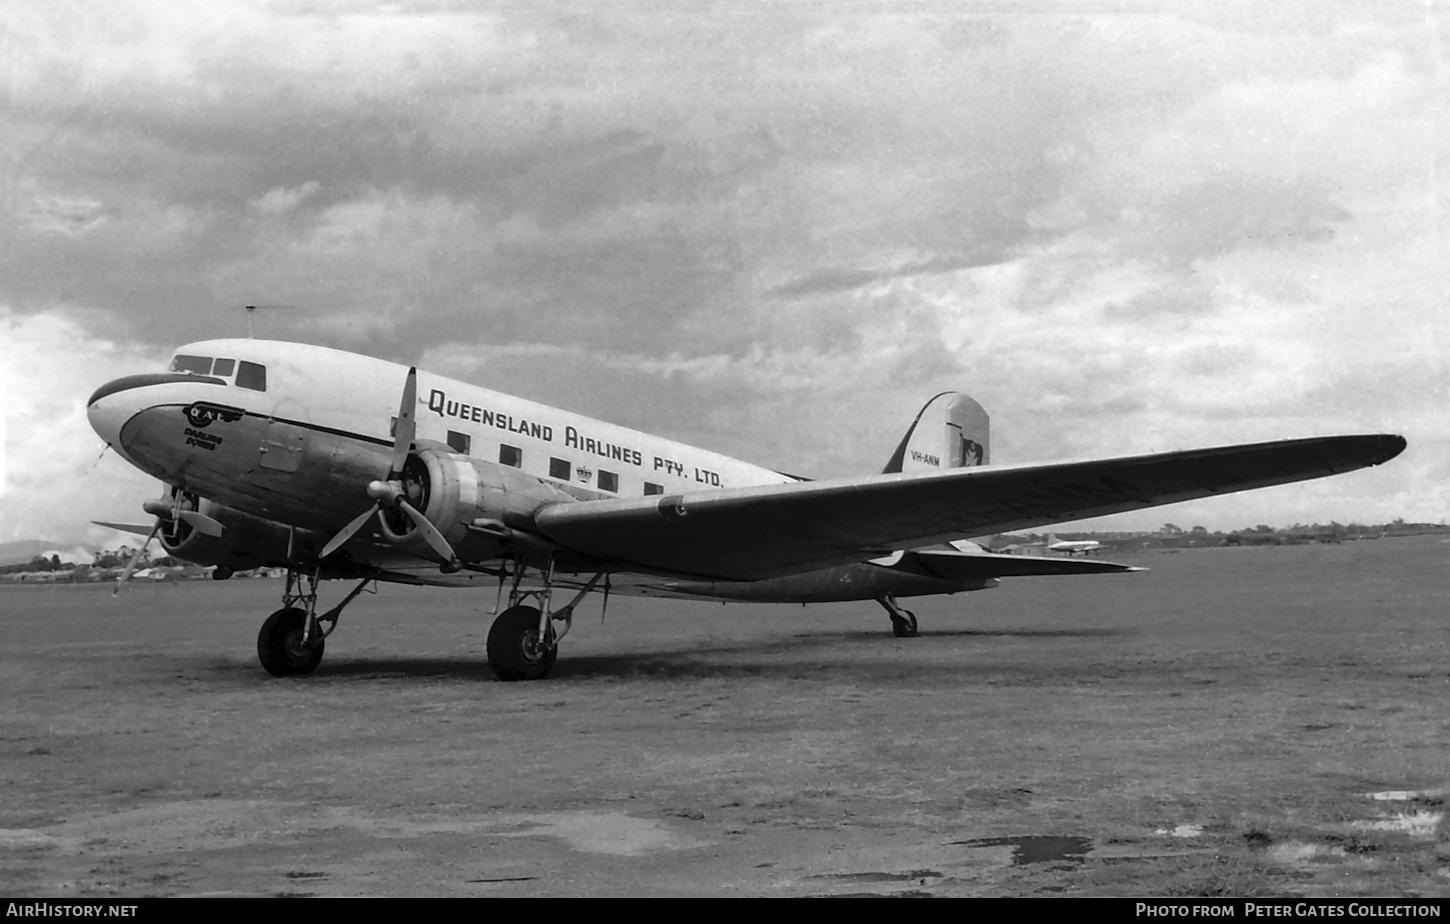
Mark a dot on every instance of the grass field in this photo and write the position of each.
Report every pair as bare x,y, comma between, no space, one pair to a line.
1265,721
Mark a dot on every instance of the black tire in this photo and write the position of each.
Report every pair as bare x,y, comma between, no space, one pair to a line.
904,628
514,651
280,647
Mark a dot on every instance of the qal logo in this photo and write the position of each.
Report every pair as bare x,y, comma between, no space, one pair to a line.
201,414
972,452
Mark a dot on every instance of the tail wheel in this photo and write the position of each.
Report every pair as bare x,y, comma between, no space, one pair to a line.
904,628
280,647
514,648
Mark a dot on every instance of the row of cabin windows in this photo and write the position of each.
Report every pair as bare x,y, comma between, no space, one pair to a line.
561,469
249,375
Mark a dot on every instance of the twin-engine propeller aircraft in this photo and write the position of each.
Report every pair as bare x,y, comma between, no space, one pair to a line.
1072,546
283,454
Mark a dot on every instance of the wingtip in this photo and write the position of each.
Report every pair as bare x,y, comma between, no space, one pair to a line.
1391,445
1367,449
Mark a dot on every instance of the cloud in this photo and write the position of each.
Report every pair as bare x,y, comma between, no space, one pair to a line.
280,201
773,232
66,216
54,478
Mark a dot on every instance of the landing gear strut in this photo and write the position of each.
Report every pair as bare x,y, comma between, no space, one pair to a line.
291,640
522,644
903,621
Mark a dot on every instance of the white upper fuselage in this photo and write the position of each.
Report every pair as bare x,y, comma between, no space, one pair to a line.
355,395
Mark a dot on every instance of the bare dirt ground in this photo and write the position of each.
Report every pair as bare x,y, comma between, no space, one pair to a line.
1237,721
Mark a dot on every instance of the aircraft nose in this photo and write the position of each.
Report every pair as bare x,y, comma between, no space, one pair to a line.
106,417
111,405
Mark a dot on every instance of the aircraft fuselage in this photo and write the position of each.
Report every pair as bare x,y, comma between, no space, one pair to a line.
292,434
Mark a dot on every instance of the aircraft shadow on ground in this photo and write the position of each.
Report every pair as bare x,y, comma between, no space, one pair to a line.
809,656
1099,632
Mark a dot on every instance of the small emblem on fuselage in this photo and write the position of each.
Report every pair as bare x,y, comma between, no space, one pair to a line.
972,452
202,413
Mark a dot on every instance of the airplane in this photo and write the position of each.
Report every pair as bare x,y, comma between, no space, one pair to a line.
339,466
1072,546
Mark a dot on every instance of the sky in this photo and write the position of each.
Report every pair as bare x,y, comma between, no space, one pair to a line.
769,229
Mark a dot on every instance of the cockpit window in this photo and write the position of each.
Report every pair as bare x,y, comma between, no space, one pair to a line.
198,365
251,375
223,367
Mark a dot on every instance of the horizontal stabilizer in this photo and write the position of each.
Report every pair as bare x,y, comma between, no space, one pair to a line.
958,566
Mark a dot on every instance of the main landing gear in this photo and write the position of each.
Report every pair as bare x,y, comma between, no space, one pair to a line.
291,640
522,643
903,621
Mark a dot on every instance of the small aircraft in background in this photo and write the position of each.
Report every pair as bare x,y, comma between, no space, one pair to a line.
302,457
1072,546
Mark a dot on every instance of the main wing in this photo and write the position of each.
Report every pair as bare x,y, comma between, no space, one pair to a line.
748,534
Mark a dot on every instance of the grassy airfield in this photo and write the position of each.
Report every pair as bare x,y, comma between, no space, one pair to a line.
1266,721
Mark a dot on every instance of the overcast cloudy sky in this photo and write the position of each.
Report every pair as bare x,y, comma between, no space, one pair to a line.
770,229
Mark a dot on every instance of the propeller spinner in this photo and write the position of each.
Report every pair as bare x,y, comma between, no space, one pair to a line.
392,493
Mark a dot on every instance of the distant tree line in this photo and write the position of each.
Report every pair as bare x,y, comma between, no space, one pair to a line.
102,560
1171,535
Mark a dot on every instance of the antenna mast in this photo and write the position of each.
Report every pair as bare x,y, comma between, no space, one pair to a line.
252,309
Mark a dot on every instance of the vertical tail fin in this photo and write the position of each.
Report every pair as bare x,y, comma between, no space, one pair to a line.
950,431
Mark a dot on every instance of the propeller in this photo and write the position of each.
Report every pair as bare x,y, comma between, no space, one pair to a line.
163,510
135,559
202,523
391,493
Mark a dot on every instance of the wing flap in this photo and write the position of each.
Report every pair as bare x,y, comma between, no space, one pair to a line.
754,533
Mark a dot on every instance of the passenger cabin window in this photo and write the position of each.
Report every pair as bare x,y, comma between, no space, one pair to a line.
608,481
251,375
559,468
459,442
651,488
510,455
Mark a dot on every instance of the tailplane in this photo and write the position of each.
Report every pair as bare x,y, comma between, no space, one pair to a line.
950,431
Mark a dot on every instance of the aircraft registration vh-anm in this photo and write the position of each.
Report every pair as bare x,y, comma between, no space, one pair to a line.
303,457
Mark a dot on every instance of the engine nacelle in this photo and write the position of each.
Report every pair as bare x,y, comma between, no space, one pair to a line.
456,492
246,541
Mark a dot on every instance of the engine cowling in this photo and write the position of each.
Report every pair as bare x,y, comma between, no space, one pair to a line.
483,509
246,541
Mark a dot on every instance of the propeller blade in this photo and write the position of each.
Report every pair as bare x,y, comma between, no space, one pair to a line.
137,528
430,533
202,523
406,429
348,531
135,558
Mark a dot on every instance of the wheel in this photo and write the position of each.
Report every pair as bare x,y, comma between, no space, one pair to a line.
904,628
280,647
514,651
